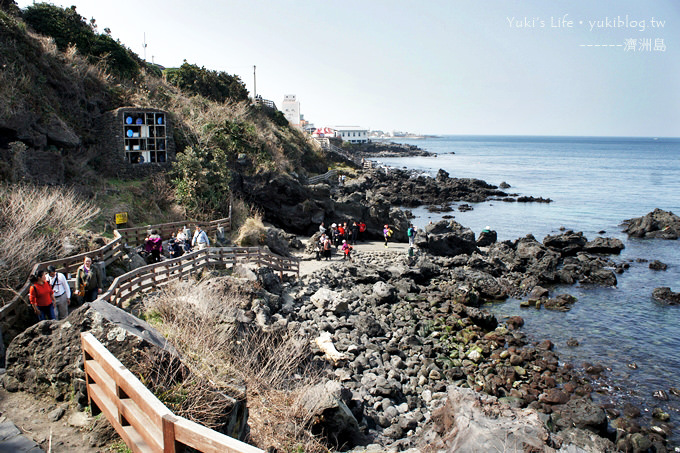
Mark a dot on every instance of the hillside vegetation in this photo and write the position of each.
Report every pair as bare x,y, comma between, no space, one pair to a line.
59,74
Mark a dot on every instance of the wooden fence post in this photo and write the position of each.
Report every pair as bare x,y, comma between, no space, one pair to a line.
94,409
170,445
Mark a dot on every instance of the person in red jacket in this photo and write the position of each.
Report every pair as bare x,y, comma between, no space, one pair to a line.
41,296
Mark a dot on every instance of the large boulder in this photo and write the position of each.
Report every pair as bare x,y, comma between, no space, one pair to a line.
608,246
486,238
666,296
580,413
567,243
281,242
329,415
657,224
448,239
470,421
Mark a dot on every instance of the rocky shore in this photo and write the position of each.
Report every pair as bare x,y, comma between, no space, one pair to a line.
410,361
372,196
397,334
373,150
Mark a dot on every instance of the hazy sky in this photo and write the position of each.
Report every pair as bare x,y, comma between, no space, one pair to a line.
442,67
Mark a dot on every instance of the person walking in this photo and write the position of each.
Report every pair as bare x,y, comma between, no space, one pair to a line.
41,296
354,233
200,239
411,233
387,232
88,281
327,249
62,292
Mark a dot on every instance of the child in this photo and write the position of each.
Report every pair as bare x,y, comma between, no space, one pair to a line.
347,249
387,232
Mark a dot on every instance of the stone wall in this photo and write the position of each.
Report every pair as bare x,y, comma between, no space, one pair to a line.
111,144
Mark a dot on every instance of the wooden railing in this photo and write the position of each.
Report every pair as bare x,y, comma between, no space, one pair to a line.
325,177
141,420
136,236
108,253
156,275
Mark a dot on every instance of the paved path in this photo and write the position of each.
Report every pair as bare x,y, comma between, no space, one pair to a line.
310,266
11,440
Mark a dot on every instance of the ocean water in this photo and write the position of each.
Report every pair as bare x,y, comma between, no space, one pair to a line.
595,184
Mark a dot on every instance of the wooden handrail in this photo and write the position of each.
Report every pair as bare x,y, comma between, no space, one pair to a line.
159,274
107,253
141,420
326,176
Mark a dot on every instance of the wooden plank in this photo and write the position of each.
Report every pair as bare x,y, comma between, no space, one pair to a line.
129,434
206,440
150,432
124,378
126,408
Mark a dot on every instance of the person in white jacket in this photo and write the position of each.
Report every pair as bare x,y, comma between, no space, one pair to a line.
200,239
62,292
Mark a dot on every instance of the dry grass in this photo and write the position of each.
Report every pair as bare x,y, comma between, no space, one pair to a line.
33,223
251,232
273,365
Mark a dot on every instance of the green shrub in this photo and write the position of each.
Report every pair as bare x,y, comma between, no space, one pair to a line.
213,85
201,179
68,27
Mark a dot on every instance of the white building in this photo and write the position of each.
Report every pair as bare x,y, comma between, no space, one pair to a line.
291,109
352,134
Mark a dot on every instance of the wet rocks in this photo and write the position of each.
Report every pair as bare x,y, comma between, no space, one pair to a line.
580,413
657,224
657,265
567,243
561,302
608,246
665,295
448,239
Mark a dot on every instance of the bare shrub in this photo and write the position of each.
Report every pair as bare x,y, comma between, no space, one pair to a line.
275,366
33,223
251,232
240,210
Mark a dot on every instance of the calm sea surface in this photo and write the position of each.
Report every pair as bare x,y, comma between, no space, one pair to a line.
595,184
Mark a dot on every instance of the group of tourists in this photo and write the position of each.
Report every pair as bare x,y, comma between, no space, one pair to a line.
178,244
343,231
50,295
342,236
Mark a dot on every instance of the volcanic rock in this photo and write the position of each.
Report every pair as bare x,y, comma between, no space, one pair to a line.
657,224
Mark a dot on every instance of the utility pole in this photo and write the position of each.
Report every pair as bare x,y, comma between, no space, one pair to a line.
254,83
144,46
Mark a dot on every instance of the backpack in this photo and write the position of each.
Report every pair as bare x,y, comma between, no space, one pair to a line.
409,232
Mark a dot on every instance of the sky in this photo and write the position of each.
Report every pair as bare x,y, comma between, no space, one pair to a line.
469,67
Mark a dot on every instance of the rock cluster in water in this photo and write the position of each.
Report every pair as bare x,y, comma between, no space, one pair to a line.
657,224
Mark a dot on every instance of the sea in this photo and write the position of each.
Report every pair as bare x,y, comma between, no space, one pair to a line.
595,183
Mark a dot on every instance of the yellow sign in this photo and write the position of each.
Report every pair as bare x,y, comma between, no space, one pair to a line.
121,217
